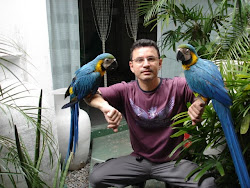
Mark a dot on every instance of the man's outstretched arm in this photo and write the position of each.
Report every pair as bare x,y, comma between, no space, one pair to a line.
112,115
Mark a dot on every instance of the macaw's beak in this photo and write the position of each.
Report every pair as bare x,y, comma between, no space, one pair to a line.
180,56
113,66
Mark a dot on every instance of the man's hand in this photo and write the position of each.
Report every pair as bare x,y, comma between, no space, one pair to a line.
112,116
196,110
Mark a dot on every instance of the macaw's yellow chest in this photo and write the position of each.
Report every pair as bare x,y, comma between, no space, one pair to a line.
98,68
194,60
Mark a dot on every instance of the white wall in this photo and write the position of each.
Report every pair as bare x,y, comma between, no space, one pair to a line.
25,22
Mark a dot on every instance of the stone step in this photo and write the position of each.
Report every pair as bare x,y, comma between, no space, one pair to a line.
110,146
102,130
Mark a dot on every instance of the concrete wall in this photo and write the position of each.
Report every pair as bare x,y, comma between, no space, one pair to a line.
25,22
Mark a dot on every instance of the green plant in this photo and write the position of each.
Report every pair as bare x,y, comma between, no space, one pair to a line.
24,165
16,161
221,34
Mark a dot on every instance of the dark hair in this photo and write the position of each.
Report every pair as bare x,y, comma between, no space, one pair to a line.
144,43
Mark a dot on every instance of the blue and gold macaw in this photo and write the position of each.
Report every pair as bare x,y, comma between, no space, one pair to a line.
204,78
85,83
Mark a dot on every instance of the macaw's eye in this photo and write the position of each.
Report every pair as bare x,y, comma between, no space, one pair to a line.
106,60
187,51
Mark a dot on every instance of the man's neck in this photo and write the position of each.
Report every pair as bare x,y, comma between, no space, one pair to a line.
149,85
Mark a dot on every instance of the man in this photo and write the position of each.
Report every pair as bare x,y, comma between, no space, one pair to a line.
148,106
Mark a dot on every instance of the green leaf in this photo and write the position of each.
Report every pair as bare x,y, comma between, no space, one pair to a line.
181,121
242,76
247,87
192,172
57,172
65,171
177,134
38,132
203,171
178,146
180,115
166,21
245,124
21,157
220,168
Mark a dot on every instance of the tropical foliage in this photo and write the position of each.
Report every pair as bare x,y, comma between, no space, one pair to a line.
221,34
16,162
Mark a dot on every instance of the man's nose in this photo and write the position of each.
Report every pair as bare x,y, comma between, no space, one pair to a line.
146,62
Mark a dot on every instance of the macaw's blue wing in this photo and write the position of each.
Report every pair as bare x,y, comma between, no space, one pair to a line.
87,85
86,69
82,86
205,79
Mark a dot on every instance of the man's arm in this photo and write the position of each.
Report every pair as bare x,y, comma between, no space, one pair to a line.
112,115
196,110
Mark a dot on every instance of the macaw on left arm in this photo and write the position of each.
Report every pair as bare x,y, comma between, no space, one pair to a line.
204,78
85,83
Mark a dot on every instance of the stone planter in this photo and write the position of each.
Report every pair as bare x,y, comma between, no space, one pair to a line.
63,118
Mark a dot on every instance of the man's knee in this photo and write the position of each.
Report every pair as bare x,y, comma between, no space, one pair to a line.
207,182
95,178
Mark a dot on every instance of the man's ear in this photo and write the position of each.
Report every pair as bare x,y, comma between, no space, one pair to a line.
131,66
160,63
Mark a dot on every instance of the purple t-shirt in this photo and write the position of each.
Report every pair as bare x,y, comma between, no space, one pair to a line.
149,115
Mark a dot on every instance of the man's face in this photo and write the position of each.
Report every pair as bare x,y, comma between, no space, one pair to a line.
145,63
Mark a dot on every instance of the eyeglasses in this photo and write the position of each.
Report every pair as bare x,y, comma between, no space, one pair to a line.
150,59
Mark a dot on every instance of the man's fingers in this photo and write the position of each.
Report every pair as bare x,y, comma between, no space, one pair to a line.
114,127
195,112
114,115
114,119
195,119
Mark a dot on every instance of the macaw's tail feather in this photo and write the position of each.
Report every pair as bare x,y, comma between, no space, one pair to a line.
73,138
67,93
70,104
225,117
76,116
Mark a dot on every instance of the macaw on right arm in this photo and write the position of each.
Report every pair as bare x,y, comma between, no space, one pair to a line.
204,78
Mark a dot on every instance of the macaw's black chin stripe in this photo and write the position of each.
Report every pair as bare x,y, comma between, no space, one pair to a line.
187,62
103,68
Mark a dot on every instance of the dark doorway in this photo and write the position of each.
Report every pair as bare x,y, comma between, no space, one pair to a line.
118,43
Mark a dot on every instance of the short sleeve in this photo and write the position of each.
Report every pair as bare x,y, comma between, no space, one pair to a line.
114,94
185,91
